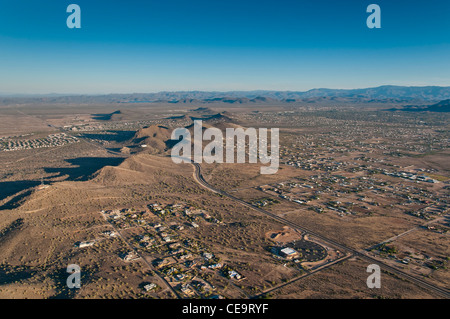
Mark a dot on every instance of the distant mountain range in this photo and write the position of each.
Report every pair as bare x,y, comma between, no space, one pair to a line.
381,94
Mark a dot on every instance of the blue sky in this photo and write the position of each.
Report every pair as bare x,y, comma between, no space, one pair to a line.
149,46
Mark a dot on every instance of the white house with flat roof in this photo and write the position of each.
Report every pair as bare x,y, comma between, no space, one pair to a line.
288,253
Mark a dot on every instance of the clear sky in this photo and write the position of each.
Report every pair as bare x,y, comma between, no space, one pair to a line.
172,45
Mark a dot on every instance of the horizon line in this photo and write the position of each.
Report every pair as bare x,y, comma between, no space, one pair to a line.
210,91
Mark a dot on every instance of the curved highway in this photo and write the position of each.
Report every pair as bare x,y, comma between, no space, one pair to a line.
437,290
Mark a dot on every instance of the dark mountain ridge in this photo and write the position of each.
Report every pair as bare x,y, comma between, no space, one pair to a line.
442,106
387,93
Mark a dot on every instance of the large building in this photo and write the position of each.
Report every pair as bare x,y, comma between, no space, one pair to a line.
288,253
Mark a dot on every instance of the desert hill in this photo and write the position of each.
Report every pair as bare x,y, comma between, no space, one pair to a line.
156,139
141,169
203,110
218,117
153,137
221,121
442,106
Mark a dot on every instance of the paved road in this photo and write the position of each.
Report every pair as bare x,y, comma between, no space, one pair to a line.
309,273
442,292
406,232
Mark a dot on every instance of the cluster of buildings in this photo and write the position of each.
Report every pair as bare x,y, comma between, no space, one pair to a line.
429,212
162,241
52,140
356,194
411,176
